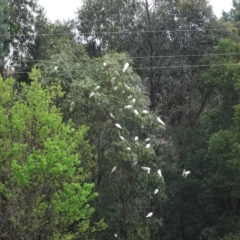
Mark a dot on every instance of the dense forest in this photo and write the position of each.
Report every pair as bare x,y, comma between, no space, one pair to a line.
120,123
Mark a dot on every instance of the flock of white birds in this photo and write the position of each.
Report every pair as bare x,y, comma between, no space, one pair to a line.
136,138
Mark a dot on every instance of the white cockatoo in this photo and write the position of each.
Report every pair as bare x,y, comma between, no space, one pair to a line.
117,125
149,215
185,173
125,67
147,169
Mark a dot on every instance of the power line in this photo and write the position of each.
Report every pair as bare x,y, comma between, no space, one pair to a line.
113,32
163,67
142,57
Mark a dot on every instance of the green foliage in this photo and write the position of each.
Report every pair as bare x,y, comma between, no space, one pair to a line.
125,195
96,17
44,189
233,15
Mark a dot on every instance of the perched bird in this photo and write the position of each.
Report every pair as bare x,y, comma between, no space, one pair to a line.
155,191
125,67
104,64
128,106
149,215
135,163
145,112
117,125
159,172
160,121
111,115
72,104
147,140
185,173
71,109
115,88
128,148
55,68
114,169
134,100
122,138
148,145
147,169
96,88
136,138
136,112
91,94
115,235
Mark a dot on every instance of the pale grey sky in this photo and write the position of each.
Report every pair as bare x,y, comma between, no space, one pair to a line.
65,9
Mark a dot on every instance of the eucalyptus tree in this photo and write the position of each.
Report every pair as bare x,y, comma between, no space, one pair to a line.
110,100
108,25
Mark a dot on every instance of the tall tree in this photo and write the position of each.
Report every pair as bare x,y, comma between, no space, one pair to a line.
26,24
44,190
104,96
3,32
108,25
233,15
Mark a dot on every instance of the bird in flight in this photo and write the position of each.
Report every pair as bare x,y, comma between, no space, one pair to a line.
185,173
149,215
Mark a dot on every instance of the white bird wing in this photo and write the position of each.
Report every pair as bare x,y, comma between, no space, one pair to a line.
118,126
91,94
136,112
148,145
155,191
160,121
149,215
159,172
147,139
111,115
122,138
96,88
146,169
128,106
125,67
